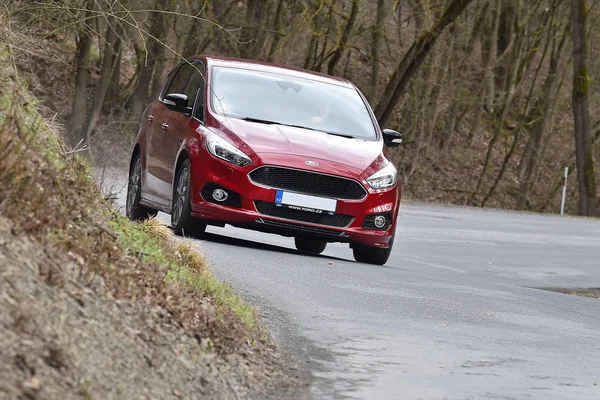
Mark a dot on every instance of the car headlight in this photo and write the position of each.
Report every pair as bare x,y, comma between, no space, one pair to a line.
384,178
224,150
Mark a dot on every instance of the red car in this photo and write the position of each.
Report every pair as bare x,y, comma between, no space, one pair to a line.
266,147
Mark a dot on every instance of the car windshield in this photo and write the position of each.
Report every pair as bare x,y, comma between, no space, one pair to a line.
281,99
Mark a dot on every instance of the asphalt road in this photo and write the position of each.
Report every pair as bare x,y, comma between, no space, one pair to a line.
454,314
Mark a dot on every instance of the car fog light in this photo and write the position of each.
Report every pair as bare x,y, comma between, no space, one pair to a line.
379,221
219,195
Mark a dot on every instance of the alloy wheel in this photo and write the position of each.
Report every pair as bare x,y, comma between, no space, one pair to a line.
134,188
181,195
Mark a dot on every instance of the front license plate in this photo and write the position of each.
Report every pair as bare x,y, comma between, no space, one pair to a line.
305,202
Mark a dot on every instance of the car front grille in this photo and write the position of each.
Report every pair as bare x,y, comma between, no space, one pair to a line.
308,182
336,220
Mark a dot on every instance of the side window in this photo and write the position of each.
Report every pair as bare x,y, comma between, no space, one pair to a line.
167,83
180,79
194,90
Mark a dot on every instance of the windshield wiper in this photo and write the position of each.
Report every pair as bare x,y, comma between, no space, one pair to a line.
261,121
269,122
319,130
340,134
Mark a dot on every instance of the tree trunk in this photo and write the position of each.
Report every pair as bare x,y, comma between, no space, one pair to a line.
253,32
490,62
376,49
511,83
190,48
540,119
313,25
158,29
310,51
449,127
105,75
485,94
78,117
277,34
200,33
113,94
248,42
412,60
159,50
462,69
507,158
219,13
442,68
343,42
584,151
320,57
508,14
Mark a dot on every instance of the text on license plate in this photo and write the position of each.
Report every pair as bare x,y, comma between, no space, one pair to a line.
305,202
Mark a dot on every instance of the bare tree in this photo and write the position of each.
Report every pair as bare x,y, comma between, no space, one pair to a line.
343,41
147,83
479,92
540,119
376,49
581,114
111,50
78,117
413,58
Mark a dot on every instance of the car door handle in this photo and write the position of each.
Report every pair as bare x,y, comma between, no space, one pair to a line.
150,118
165,126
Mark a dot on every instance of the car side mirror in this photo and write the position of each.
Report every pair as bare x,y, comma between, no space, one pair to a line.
391,138
176,102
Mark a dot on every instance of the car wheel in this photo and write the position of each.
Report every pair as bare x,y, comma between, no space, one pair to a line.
372,255
182,222
133,209
310,245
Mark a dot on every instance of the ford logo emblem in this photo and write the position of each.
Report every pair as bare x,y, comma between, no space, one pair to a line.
311,163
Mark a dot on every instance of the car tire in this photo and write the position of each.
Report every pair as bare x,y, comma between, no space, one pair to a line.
310,245
133,209
182,223
372,255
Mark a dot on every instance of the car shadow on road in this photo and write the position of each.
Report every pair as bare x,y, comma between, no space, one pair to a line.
233,241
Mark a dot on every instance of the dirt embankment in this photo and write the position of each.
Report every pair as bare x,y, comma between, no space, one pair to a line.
61,340
93,306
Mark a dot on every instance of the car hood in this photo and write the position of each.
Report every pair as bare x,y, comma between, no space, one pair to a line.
281,139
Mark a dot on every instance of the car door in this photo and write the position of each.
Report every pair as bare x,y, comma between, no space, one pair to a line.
179,123
165,136
154,116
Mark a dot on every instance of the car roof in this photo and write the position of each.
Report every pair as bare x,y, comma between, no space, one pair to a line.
273,67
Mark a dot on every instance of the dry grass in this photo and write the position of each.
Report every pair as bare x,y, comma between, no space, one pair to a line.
52,197
191,258
156,229
48,195
185,268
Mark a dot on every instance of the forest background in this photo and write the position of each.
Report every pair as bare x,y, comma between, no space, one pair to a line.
494,98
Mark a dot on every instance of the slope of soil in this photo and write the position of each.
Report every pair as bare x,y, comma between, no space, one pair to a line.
95,306
59,339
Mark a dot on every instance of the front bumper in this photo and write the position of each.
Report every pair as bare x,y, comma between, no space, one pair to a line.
240,209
